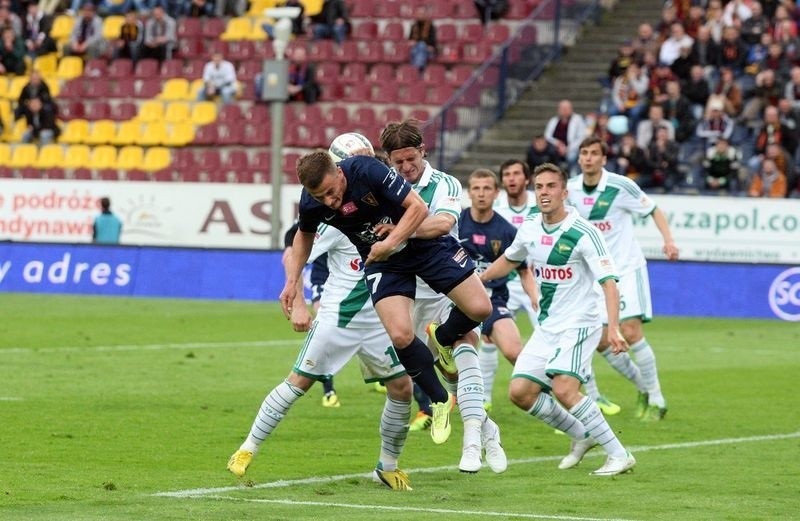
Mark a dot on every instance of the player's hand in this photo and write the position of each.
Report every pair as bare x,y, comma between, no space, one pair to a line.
301,319
617,341
287,298
380,251
670,250
383,229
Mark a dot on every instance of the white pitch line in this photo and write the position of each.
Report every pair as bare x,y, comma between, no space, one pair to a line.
149,347
418,509
201,492
10,399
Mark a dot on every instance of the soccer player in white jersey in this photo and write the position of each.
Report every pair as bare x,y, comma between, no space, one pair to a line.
403,141
610,202
516,203
570,257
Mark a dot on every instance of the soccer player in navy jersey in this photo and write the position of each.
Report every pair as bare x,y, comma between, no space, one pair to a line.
356,196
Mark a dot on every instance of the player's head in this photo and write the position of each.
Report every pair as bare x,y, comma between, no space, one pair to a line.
482,188
592,155
403,142
348,145
321,178
515,176
550,186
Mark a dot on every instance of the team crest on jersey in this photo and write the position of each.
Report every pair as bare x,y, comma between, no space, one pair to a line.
348,208
370,199
496,246
601,203
547,240
588,200
564,248
480,240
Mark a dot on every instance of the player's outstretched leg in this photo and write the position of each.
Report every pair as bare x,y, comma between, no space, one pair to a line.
646,360
393,432
487,355
329,398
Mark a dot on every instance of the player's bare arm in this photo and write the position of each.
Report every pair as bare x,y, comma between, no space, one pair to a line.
416,211
529,285
669,249
501,267
301,249
300,315
615,338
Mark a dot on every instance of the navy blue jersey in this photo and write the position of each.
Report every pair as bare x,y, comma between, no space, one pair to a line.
374,195
485,242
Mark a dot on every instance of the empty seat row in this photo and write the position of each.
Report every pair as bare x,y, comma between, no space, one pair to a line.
131,132
83,156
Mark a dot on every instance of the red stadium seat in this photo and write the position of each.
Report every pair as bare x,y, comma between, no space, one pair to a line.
213,27
364,117
70,109
236,160
393,31
446,33
434,74
171,69
412,94
230,114
361,9
124,89
206,135
471,32
327,72
371,51
358,92
209,160
381,73
189,27
397,52
30,173
346,52
309,115
166,175
193,69
95,68
82,174
459,75
123,111
449,53
320,51
353,72
98,110
98,88
420,114
463,10
137,175
249,69
149,88
108,174
121,68
146,68
387,9
239,50
336,117
497,33
390,114
191,48
72,89
230,135
54,173
477,53
365,30
257,134
183,160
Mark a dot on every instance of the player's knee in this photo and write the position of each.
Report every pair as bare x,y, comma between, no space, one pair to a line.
522,396
401,389
631,330
401,337
480,309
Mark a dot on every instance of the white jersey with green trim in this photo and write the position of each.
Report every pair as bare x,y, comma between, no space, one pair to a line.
442,193
611,207
346,301
568,259
516,215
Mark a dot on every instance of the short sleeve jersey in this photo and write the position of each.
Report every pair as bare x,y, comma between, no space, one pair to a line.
485,242
373,195
346,301
568,261
611,207
516,216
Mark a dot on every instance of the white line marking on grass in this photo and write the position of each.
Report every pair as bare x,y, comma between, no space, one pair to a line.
10,399
200,492
149,347
417,509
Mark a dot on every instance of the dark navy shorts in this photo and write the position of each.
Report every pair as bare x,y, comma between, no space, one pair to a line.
499,311
441,262
316,292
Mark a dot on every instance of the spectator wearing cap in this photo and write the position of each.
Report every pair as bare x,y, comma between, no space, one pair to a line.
671,47
87,34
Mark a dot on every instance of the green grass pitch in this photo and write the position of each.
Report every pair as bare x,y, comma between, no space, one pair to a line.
107,402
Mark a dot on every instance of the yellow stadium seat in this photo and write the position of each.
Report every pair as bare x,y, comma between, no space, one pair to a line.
54,85
23,155
18,130
257,31
6,114
112,26
257,6
62,27
238,28
47,64
177,112
195,88
128,133
3,87
204,112
156,158
312,7
76,156
69,67
50,156
179,135
102,132
175,89
130,158
74,132
103,157
150,111
155,134
5,153
15,86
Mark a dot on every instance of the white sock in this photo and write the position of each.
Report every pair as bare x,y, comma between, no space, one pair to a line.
470,383
394,430
590,387
555,415
488,361
646,360
624,365
593,420
273,409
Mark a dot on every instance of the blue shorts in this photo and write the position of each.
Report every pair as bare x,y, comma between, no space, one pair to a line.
441,262
499,311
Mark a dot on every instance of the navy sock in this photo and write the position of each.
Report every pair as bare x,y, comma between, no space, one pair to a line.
457,325
422,400
418,361
327,385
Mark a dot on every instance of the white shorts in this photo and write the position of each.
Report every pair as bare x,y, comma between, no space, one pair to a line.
518,299
548,354
328,348
427,310
634,297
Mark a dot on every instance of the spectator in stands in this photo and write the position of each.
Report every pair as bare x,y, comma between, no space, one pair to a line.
697,90
36,32
598,127
565,131
657,88
733,51
706,51
646,131
35,88
736,11
772,132
757,25
87,35
632,161
678,111
721,166
789,118
9,19
219,79
671,48
792,89
682,66
669,16
303,84
12,53
729,92
714,19
694,20
131,36
197,8
768,182
107,227
663,157
778,61
160,35
230,7
757,55
715,124
331,22
625,56
629,95
423,34
489,10
766,94
646,40
41,123
540,151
